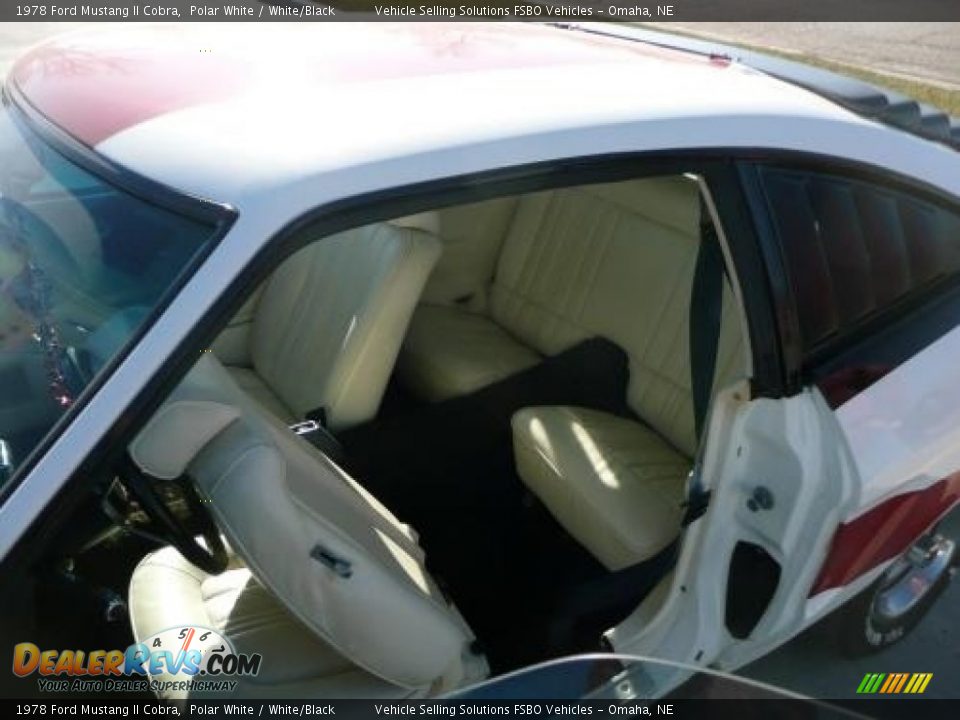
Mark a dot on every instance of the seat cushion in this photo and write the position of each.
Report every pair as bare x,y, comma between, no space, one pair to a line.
257,388
612,483
450,351
166,591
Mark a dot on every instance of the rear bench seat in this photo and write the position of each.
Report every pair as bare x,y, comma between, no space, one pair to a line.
607,260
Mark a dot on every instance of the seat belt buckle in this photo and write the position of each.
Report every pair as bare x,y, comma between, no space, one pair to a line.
317,415
695,506
305,427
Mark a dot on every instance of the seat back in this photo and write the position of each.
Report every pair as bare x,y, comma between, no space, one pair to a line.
329,551
331,318
472,236
615,260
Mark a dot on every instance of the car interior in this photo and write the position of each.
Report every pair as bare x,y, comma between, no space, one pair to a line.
433,449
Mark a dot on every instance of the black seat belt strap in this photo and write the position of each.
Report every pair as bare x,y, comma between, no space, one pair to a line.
706,308
706,314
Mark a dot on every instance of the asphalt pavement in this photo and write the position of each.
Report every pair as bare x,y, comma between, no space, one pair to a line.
930,52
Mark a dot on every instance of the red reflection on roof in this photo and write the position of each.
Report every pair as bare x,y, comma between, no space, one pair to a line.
95,85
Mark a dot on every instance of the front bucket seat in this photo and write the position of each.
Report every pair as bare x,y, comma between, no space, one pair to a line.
327,327
324,581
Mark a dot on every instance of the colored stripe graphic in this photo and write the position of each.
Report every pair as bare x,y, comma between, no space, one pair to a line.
884,531
894,683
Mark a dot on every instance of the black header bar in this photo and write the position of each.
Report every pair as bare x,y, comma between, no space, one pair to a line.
457,10
535,709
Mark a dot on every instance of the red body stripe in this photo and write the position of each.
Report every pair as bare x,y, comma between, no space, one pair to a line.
95,96
884,532
97,86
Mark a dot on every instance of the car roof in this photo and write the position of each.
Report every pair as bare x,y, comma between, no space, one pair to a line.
239,113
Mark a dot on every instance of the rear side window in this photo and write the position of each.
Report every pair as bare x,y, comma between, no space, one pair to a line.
853,249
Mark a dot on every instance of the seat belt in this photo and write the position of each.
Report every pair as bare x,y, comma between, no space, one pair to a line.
706,314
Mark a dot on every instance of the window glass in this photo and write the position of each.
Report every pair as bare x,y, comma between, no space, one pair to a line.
853,248
82,263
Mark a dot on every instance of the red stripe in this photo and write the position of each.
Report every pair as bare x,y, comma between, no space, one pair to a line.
884,532
96,85
94,95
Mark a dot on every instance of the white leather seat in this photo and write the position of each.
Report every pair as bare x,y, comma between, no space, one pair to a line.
615,261
326,329
166,590
575,263
383,626
613,484
451,352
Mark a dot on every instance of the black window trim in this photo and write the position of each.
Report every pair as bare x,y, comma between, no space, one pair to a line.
150,191
803,367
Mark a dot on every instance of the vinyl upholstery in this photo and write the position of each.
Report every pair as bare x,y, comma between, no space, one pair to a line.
278,500
326,329
166,590
615,261
616,486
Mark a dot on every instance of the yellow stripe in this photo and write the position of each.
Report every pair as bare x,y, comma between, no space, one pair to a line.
888,683
926,681
903,679
913,681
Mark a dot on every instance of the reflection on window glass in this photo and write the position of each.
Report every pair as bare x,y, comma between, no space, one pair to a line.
81,265
854,248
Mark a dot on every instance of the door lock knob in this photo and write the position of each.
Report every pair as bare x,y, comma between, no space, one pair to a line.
761,499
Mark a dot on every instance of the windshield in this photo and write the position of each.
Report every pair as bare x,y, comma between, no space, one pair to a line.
82,263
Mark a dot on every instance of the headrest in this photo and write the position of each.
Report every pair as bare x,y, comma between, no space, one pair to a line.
427,222
672,201
196,412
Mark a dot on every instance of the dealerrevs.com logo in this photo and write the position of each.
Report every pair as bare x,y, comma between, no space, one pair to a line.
190,658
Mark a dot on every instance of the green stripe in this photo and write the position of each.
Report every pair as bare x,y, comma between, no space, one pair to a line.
863,683
876,685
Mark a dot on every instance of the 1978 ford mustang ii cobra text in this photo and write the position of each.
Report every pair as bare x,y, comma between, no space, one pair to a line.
388,359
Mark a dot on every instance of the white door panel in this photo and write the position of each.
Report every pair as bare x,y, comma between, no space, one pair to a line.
790,449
